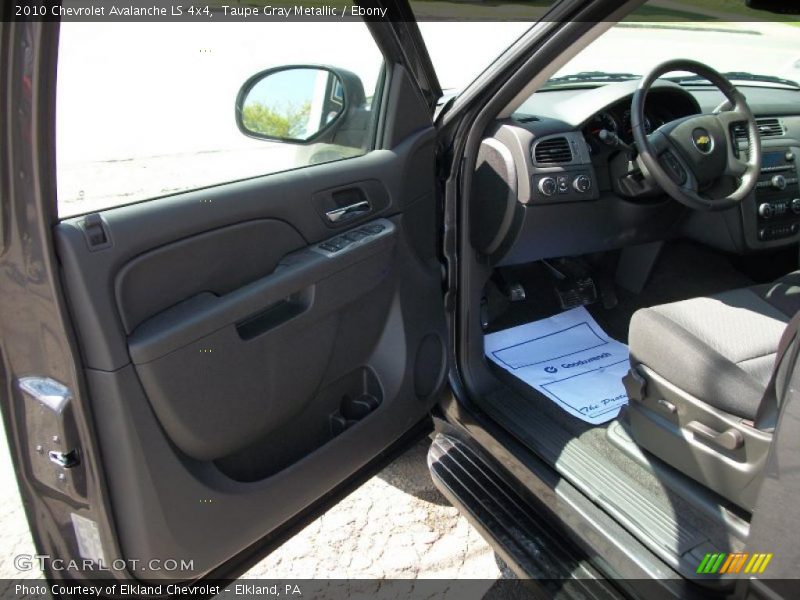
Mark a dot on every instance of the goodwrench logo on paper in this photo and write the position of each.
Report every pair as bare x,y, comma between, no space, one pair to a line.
586,361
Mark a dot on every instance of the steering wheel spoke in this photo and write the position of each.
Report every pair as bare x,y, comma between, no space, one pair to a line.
736,167
730,117
738,115
670,159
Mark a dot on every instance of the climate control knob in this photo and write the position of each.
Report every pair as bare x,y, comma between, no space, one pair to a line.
796,206
582,183
547,185
778,182
766,211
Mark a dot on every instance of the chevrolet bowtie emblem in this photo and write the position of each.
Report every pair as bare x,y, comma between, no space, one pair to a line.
702,140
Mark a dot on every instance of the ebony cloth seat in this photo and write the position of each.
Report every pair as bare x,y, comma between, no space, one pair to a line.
721,348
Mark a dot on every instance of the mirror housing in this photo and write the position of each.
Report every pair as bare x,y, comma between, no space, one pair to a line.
298,104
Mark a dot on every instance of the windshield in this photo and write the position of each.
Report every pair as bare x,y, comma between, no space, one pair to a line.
764,53
465,38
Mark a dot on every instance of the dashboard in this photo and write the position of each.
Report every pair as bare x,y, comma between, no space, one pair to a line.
546,184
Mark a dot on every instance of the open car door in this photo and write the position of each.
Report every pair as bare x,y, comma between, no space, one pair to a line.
184,378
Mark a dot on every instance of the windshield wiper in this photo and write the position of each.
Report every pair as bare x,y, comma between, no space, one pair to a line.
591,77
736,76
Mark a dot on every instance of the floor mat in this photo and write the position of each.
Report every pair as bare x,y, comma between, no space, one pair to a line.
568,358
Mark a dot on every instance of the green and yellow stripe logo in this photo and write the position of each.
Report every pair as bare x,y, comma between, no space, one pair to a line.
736,562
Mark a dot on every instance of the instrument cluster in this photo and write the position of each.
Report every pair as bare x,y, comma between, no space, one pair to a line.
617,120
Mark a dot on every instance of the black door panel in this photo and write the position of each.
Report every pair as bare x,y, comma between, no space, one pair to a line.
262,358
239,365
168,504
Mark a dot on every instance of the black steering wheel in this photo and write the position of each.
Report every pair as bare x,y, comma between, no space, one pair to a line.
686,154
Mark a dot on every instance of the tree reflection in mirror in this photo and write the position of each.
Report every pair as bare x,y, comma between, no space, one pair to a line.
293,104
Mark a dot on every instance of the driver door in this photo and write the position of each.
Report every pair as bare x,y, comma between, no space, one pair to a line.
188,376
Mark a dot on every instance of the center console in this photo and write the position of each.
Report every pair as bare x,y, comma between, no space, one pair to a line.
777,195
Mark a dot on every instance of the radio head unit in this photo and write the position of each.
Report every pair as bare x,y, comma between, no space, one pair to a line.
777,196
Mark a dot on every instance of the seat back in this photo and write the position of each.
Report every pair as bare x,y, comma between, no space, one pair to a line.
788,349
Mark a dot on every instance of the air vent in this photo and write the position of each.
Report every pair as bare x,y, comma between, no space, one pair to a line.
766,127
552,151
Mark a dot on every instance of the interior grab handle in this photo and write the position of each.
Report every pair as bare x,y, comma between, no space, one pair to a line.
344,213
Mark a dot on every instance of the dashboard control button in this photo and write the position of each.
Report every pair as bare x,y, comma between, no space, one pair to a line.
778,182
582,183
789,156
563,184
547,185
796,206
766,211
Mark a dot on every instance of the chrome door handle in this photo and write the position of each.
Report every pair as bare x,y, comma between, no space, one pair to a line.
344,213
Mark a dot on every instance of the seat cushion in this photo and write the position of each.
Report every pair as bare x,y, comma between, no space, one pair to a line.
720,349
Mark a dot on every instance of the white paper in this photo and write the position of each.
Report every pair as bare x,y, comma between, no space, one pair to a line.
569,359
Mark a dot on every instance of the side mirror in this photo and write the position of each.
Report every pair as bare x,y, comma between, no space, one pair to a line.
296,104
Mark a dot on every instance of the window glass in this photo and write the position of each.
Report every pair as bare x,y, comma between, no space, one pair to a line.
462,51
148,109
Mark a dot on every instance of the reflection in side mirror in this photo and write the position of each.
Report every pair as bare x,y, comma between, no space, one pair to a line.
294,104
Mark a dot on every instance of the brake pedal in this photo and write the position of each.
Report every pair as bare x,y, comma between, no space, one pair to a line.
574,286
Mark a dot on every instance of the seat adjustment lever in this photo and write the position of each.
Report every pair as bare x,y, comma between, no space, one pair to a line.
730,439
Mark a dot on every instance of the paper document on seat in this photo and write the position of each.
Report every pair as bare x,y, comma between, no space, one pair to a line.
569,359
